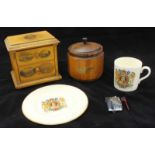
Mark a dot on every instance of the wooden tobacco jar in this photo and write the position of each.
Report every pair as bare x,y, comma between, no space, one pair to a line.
85,60
33,58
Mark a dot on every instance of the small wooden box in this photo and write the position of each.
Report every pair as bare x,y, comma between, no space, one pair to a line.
34,58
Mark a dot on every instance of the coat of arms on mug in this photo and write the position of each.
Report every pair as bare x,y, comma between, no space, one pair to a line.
124,78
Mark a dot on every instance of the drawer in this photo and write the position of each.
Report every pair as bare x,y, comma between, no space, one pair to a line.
36,71
32,56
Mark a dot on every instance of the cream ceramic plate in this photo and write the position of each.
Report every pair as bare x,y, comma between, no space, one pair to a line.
75,103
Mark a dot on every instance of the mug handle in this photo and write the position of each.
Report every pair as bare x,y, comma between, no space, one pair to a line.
147,75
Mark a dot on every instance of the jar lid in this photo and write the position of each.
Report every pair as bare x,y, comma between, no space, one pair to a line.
85,48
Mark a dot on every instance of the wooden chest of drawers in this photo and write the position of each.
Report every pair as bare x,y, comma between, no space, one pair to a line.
34,58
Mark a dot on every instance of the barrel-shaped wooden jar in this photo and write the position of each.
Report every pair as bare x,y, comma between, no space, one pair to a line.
86,60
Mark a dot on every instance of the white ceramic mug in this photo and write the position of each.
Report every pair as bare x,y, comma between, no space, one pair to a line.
127,72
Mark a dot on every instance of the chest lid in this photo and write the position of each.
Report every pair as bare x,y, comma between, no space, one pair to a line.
85,48
30,40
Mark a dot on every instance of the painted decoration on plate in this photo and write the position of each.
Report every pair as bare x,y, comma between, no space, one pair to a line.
124,78
53,104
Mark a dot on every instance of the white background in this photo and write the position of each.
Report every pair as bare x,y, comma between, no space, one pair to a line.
76,13
61,13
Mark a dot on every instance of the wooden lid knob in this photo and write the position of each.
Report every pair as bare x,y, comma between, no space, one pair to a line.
85,39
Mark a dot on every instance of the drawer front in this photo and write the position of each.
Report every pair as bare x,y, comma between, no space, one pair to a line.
35,55
36,71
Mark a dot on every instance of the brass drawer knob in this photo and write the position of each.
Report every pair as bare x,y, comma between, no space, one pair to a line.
27,73
44,54
37,69
46,68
